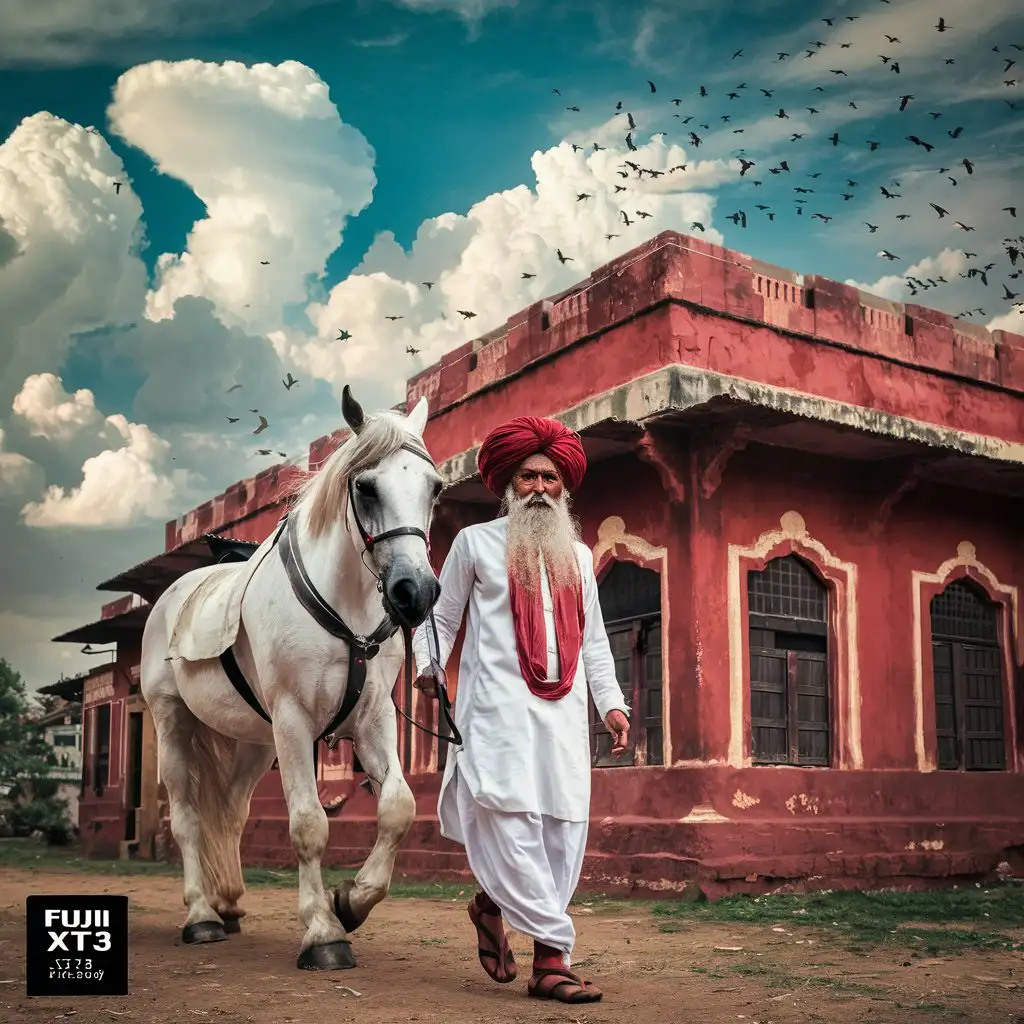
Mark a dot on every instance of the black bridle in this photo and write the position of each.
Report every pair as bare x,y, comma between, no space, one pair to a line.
362,648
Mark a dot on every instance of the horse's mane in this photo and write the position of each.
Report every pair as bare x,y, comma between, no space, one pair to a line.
323,497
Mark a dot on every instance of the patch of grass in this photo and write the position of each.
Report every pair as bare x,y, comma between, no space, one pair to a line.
871,919
780,978
29,855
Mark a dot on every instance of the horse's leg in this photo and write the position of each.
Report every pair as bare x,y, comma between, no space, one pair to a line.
175,728
375,739
250,764
324,946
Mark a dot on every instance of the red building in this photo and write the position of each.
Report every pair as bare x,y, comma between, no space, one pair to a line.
805,505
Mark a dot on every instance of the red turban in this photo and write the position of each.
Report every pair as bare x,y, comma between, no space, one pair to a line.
506,447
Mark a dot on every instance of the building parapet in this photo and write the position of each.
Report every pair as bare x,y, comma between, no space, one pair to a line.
676,268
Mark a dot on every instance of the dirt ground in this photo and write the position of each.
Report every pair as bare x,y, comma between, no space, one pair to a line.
416,962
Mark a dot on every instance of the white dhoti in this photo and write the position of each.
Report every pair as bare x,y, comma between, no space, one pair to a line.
529,864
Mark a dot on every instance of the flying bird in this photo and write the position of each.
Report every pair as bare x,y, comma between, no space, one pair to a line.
468,314
343,335
234,387
939,210
232,419
117,188
412,351
289,382
263,425
904,100
886,255
562,259
941,26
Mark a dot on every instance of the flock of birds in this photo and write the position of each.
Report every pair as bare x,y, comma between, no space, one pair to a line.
955,168
959,167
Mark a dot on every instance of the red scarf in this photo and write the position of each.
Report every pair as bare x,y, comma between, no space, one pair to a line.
531,636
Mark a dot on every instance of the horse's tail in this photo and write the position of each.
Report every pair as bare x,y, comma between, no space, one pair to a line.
219,807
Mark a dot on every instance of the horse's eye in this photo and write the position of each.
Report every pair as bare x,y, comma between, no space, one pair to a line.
366,488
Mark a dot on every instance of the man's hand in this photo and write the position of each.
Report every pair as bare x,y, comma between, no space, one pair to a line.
427,682
618,725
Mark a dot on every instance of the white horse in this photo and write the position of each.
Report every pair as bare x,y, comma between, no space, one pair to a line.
214,746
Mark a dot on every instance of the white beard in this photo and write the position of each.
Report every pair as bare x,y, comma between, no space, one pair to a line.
540,527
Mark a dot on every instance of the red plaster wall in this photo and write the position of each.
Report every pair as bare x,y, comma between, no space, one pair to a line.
101,818
837,500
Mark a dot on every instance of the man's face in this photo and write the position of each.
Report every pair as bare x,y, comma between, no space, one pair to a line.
538,476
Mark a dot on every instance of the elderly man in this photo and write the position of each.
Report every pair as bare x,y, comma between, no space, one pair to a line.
516,794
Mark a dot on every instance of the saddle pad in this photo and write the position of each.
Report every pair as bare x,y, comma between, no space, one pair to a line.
208,620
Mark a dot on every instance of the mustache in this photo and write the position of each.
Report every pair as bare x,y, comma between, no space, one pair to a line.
539,501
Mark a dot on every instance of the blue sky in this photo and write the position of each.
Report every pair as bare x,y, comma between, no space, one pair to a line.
434,106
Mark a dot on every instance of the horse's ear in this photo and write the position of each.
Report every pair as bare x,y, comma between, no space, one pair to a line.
417,419
351,410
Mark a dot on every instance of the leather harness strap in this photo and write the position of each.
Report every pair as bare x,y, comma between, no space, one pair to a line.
362,648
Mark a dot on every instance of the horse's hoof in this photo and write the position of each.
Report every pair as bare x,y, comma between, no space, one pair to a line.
332,956
350,921
203,931
232,925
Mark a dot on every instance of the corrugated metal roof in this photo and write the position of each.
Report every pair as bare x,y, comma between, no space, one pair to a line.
108,631
149,579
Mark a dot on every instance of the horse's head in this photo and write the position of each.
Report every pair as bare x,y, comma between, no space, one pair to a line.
391,500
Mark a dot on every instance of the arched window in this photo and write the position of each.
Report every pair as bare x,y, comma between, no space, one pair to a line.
967,663
630,599
789,686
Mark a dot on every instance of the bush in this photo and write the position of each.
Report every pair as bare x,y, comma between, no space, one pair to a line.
48,816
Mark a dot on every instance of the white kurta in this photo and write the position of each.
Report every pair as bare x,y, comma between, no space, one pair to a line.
520,753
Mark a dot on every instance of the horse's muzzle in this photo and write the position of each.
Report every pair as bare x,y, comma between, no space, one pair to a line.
410,598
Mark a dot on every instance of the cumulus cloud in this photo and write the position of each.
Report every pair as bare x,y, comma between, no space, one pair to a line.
78,268
18,475
51,412
118,486
275,210
949,263
1013,321
476,261
121,483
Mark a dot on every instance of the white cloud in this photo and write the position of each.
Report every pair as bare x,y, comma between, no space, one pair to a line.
51,412
476,260
126,480
118,486
1013,321
279,172
948,264
18,476
78,268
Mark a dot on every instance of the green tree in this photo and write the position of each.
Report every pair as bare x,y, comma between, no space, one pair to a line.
27,797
